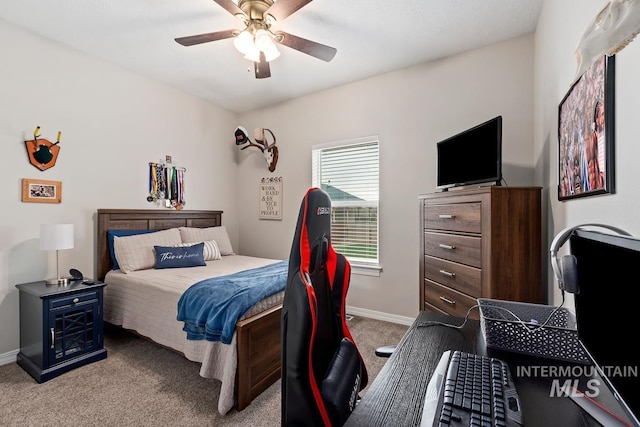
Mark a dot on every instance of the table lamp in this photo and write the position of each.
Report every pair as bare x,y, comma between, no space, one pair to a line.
56,237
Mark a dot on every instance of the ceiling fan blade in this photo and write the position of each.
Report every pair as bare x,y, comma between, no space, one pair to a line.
204,38
230,7
262,68
317,50
283,8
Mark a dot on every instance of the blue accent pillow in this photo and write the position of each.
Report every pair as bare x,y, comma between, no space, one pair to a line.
121,233
181,256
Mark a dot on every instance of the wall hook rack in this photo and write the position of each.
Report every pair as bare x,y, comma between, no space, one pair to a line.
166,184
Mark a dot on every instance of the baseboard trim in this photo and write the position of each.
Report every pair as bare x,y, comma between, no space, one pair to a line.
9,357
379,315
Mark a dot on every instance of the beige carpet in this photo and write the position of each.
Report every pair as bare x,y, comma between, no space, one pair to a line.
143,384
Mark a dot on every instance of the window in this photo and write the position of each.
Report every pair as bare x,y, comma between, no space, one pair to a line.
349,172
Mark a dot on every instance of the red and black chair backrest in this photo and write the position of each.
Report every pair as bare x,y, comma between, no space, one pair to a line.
322,369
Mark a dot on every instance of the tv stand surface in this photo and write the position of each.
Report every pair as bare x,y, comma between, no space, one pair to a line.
468,187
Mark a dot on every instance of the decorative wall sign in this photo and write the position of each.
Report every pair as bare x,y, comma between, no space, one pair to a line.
42,152
39,191
270,198
586,133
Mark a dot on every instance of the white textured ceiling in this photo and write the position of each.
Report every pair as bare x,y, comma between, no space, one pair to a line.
372,37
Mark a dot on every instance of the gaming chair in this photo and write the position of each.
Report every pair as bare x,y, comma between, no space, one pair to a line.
322,369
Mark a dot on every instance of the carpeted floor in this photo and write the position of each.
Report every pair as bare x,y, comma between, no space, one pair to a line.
143,384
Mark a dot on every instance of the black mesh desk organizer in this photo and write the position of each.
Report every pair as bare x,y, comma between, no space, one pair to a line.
532,329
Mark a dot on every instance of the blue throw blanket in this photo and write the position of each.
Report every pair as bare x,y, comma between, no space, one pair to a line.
211,307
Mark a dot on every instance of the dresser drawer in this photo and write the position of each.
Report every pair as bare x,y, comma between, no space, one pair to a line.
458,276
449,300
454,247
463,217
74,299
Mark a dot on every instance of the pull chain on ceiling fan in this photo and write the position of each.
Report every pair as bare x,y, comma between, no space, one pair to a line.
256,41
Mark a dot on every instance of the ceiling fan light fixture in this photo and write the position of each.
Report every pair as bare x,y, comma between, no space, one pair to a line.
256,41
265,43
271,54
263,39
253,54
251,42
244,42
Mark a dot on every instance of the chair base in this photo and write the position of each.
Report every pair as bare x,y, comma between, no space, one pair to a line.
385,351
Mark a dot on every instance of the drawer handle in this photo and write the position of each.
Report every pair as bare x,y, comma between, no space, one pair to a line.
75,300
446,216
448,247
448,301
53,337
448,273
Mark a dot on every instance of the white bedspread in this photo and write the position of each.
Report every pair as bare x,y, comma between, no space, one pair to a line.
146,301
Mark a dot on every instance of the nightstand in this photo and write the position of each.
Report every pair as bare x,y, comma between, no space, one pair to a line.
61,327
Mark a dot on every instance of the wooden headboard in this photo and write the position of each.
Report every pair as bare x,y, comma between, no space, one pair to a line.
145,219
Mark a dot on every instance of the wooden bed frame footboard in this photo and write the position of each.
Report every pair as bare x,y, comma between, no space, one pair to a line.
259,362
258,336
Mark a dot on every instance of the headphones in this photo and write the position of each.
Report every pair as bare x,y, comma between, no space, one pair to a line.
565,268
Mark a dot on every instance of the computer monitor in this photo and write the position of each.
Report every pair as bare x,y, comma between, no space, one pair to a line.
607,310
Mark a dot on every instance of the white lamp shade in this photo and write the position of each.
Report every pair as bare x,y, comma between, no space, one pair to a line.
264,42
271,53
252,54
251,44
243,42
56,236
263,39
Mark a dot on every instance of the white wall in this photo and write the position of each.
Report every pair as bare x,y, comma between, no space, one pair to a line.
560,27
410,110
113,124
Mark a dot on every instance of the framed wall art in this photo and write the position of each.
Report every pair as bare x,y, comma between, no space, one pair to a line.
270,198
40,191
586,133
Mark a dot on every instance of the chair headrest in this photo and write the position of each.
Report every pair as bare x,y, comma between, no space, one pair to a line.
314,223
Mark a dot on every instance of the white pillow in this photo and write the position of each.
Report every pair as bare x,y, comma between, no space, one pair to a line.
197,235
211,250
136,252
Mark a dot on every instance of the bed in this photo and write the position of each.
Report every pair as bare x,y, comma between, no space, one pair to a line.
145,302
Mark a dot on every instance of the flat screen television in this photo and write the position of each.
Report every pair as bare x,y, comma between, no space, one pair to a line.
607,311
473,156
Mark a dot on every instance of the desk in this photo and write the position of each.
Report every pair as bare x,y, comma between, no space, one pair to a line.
396,396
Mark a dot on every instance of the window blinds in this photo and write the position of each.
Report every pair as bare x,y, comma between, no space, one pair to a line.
349,173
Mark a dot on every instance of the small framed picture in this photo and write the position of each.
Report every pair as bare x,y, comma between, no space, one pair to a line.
40,191
586,133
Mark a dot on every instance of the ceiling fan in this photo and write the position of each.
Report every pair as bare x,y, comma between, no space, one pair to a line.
256,41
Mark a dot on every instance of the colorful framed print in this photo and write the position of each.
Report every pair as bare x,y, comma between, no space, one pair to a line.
586,133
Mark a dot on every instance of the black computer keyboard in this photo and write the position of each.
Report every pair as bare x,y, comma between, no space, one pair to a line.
476,391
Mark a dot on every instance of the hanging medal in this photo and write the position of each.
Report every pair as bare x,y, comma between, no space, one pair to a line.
161,182
174,187
150,195
153,183
181,187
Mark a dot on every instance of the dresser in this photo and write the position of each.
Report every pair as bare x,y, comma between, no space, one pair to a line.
482,242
